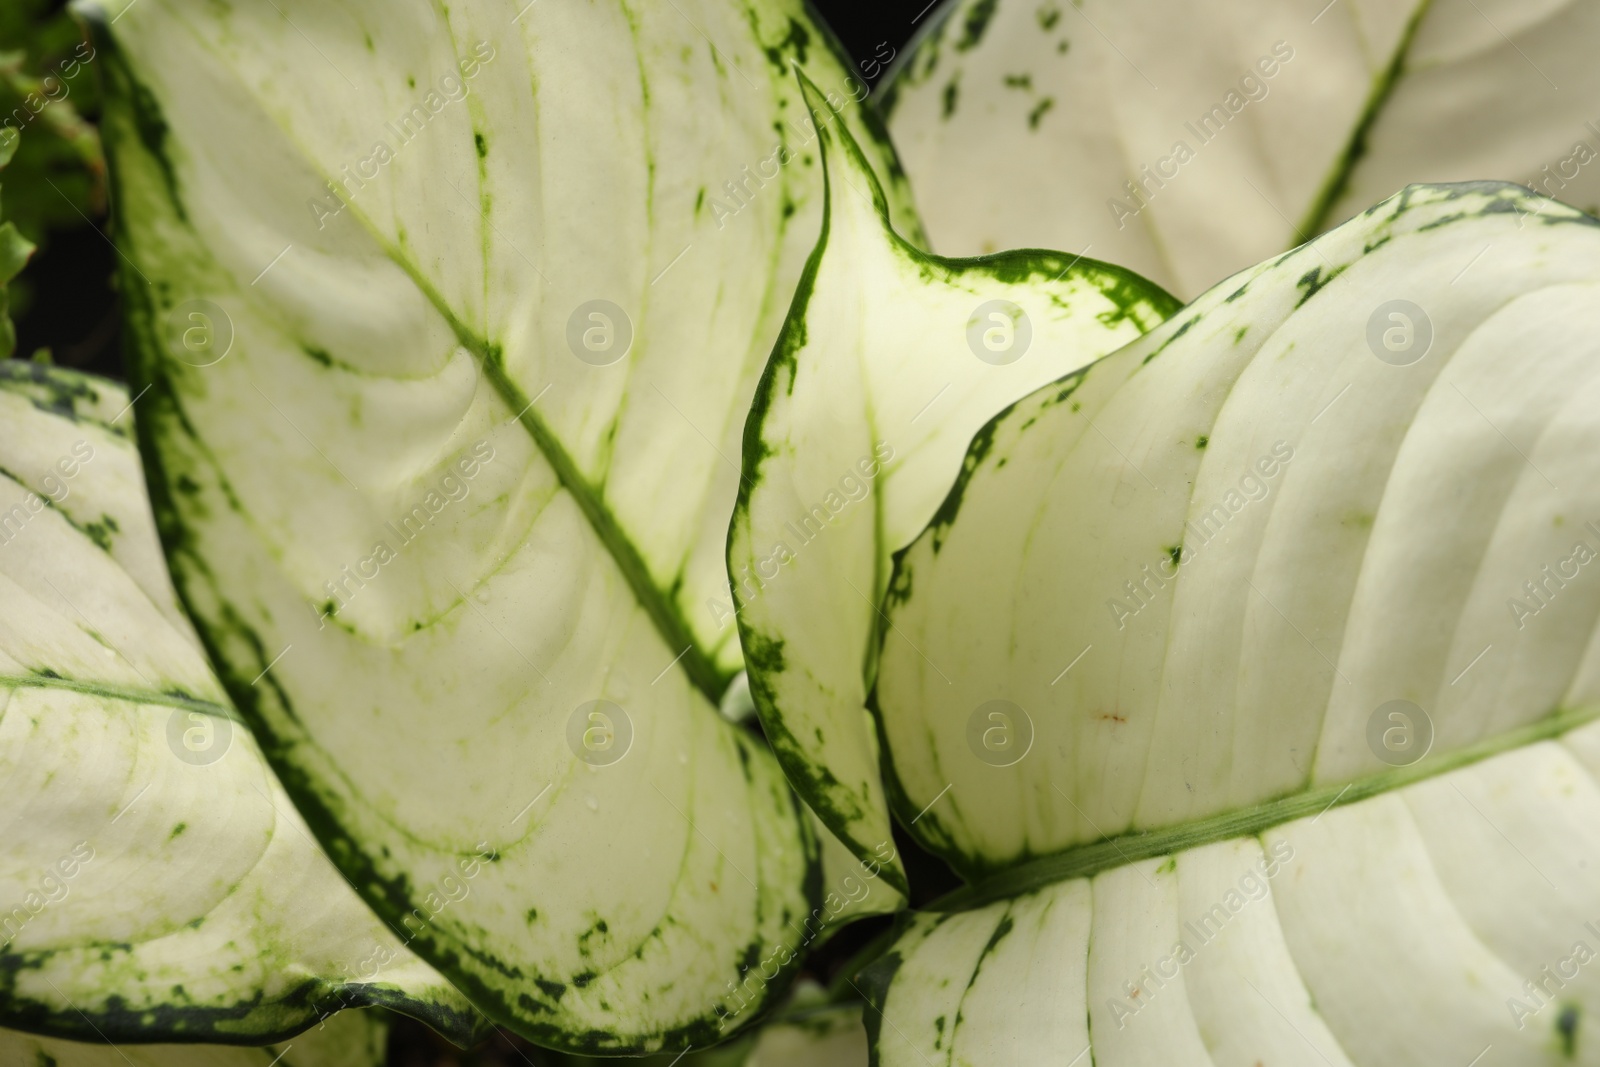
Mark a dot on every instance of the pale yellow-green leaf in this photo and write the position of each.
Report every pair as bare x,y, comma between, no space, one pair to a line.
452,531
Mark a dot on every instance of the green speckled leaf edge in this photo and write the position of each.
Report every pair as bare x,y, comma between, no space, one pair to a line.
1459,871
1121,306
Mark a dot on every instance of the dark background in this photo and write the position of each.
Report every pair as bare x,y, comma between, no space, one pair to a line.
66,302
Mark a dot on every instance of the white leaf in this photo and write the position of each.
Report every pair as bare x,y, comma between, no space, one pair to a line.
1286,610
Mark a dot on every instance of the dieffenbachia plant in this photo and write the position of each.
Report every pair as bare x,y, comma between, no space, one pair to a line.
889,362
1188,141
349,1039
1251,674
449,320
156,883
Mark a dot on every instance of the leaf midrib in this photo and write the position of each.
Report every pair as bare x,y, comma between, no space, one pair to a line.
1126,849
1317,216
664,614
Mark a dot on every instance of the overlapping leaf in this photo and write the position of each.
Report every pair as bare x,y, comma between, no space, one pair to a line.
889,362
1187,142
155,882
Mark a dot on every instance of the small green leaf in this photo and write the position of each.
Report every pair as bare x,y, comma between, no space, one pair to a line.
47,84
14,252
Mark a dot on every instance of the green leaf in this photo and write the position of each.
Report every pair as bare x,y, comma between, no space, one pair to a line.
1261,656
156,882
1243,130
349,1039
432,505
14,252
889,362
